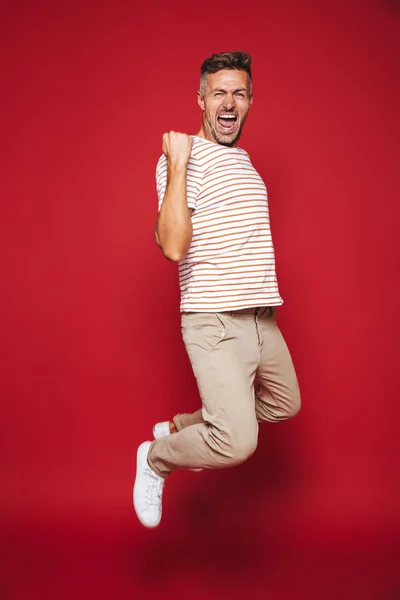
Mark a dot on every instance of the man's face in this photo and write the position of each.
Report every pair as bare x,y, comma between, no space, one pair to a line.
225,103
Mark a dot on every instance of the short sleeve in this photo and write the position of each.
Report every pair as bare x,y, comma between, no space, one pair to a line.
193,178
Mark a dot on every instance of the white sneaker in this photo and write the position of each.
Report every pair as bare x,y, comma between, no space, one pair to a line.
148,489
161,430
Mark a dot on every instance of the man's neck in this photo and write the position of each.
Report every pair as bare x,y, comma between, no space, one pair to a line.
205,136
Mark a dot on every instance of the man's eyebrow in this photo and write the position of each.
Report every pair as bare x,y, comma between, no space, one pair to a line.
243,89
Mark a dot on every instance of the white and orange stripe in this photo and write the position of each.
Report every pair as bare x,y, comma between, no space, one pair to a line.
230,264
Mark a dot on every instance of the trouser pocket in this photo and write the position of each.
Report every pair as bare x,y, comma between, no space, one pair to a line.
205,330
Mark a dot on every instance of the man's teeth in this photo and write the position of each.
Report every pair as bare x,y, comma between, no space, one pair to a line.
227,116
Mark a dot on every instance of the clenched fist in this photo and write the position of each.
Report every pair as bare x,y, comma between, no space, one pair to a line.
177,147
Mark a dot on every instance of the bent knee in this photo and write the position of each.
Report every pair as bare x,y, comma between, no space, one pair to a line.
287,408
233,448
241,450
294,406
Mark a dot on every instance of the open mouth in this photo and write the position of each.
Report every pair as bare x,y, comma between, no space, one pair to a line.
227,122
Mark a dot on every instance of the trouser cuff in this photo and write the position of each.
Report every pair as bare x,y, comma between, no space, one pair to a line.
177,421
152,464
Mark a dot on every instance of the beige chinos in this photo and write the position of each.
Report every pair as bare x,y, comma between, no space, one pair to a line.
245,375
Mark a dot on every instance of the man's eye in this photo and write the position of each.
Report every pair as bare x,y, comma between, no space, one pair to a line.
240,95
218,94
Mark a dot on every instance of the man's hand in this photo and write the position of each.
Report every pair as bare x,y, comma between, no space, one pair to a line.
177,148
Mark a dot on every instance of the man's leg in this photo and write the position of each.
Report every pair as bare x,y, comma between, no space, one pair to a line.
276,385
178,423
224,353
187,419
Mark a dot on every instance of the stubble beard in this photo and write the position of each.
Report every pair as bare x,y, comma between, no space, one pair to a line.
223,140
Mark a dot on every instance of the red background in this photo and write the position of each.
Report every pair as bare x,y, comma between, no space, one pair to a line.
91,353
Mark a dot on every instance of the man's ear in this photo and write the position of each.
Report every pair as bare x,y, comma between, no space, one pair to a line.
200,101
251,100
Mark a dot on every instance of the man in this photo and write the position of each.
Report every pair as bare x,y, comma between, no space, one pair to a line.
213,220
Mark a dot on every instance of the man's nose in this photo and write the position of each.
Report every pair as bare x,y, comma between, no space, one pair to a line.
229,102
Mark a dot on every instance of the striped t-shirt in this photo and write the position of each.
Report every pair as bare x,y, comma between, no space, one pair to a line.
230,264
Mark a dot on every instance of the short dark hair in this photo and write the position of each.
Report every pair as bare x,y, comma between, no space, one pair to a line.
240,61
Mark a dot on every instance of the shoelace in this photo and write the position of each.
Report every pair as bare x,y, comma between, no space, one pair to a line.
154,488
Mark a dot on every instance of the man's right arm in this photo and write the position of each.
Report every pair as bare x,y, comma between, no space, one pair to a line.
174,224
